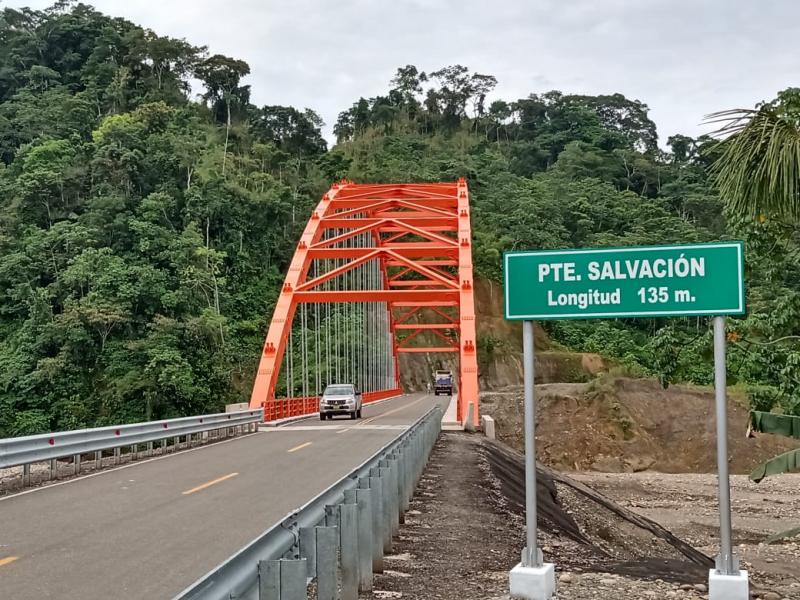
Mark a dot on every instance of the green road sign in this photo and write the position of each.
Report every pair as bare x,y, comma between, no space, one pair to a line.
645,281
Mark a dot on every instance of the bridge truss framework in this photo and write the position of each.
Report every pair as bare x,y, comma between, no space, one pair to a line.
380,270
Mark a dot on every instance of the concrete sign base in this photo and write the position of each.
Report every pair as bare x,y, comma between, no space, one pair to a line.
533,583
728,587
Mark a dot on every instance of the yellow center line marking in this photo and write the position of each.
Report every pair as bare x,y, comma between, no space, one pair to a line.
209,483
7,560
300,447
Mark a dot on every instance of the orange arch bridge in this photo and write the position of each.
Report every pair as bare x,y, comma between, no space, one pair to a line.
380,270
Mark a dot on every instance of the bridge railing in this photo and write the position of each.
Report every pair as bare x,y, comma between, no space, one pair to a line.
283,408
338,539
31,449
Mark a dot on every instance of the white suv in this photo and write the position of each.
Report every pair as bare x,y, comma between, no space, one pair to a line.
340,399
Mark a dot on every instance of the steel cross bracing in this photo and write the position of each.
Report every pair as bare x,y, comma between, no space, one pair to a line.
380,270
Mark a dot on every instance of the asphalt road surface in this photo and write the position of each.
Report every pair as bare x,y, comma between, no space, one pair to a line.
151,528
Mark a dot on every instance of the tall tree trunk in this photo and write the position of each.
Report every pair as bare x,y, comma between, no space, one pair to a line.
227,133
208,238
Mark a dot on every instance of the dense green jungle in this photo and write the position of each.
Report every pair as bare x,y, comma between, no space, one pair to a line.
148,212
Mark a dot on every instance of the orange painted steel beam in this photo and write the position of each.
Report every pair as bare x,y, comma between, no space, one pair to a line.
468,355
427,263
424,304
393,296
414,283
426,326
415,228
407,315
406,250
440,203
401,343
437,223
447,340
427,349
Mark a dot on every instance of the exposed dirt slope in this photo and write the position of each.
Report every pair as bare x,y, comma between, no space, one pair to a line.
627,425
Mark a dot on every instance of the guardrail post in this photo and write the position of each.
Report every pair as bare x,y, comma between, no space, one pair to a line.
361,498
282,579
386,507
77,461
348,532
163,446
149,448
293,579
326,549
332,515
308,549
98,460
365,543
422,444
403,477
53,469
394,497
373,482
269,579
26,475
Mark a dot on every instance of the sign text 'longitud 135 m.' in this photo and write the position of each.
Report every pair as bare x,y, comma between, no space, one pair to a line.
649,281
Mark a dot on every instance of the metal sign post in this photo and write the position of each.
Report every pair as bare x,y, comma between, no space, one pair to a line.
532,578
601,283
725,560
531,555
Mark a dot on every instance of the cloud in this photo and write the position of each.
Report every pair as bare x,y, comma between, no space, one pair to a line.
684,58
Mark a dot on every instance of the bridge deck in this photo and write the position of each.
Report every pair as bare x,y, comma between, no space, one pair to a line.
148,529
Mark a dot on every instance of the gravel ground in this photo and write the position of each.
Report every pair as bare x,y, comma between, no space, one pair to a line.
460,540
687,505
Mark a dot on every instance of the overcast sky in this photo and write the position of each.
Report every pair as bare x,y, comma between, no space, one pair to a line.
684,58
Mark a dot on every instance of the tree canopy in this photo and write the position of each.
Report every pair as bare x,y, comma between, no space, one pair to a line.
144,235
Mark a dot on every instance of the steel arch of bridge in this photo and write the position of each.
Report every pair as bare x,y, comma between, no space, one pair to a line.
421,237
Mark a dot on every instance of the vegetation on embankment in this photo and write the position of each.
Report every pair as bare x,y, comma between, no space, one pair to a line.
144,235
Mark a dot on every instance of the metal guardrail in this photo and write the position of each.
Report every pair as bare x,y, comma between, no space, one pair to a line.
338,539
52,446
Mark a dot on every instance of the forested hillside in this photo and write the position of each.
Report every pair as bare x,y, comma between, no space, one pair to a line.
145,230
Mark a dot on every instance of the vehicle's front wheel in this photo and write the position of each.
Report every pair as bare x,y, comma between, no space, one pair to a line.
359,413
353,416
321,416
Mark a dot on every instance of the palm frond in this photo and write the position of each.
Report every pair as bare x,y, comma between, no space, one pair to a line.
758,171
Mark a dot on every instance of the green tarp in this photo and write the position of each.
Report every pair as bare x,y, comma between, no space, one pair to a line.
784,425
784,463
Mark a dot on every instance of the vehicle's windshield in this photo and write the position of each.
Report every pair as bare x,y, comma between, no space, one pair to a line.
339,390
